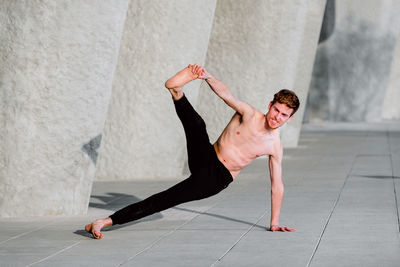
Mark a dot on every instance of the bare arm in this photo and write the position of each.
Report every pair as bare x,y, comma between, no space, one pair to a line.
277,190
223,92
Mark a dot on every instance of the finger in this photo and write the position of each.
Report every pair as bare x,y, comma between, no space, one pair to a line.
276,228
287,229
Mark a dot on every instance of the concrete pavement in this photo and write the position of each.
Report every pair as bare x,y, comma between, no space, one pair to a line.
342,189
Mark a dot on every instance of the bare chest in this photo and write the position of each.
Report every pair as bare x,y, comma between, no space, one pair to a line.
257,144
250,140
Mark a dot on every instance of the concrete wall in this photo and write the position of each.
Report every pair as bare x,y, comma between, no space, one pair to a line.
58,59
143,137
391,106
272,46
352,67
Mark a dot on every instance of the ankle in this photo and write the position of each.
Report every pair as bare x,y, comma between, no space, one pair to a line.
106,222
176,93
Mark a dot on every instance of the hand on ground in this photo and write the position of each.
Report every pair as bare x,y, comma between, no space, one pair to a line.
277,228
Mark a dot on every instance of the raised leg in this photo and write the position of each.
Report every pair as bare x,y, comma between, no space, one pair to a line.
197,141
176,82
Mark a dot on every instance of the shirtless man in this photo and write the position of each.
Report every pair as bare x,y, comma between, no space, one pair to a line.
213,167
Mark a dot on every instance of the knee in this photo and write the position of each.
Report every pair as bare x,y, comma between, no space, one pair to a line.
199,122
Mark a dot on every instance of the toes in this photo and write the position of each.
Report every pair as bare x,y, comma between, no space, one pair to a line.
97,235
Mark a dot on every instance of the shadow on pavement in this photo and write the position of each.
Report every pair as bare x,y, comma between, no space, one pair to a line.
116,201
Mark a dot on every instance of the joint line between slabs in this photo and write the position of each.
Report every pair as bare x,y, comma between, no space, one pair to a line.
165,235
394,183
27,233
333,209
54,254
237,241
396,201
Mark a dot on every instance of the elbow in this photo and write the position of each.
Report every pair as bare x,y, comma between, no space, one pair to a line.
277,189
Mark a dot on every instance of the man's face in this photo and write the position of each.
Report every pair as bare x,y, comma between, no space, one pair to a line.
277,115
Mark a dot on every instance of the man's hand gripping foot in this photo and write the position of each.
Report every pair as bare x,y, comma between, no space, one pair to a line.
176,82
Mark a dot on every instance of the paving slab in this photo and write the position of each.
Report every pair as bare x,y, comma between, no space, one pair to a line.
342,192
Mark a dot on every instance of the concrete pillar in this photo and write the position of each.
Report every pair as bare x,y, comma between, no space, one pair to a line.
391,107
58,60
143,137
352,67
271,46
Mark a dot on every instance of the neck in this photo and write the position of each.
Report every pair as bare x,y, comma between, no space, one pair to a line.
268,129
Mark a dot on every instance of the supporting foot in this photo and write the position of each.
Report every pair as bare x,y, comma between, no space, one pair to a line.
95,227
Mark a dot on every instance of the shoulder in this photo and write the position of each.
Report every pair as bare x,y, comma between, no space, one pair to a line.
249,112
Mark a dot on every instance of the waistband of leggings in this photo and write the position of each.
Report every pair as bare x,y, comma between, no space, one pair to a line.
227,174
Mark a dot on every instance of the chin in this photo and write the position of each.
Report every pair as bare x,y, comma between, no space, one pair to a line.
273,126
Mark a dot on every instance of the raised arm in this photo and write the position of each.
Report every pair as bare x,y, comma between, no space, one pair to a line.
223,92
277,190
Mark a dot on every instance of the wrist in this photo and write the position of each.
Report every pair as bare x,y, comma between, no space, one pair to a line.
272,223
207,77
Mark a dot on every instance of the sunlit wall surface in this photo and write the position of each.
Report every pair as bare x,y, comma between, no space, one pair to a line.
82,83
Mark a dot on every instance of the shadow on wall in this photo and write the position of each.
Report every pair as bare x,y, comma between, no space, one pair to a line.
320,75
352,67
91,148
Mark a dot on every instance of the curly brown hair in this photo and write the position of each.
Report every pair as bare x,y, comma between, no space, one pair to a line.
287,97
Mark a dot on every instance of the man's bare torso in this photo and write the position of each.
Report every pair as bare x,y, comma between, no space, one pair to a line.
244,140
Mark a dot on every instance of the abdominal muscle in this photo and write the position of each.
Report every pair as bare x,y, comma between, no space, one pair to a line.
240,144
231,163
237,155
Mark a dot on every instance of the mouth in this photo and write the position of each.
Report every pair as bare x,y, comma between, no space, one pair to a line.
274,122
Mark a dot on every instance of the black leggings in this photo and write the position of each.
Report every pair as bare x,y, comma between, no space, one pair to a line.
208,175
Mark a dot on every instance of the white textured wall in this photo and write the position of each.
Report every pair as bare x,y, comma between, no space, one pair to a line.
391,106
353,66
143,137
271,46
57,65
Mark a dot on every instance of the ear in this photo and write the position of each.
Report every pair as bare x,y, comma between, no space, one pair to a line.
270,105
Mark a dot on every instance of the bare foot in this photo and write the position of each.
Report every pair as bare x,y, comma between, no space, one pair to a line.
183,77
95,227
